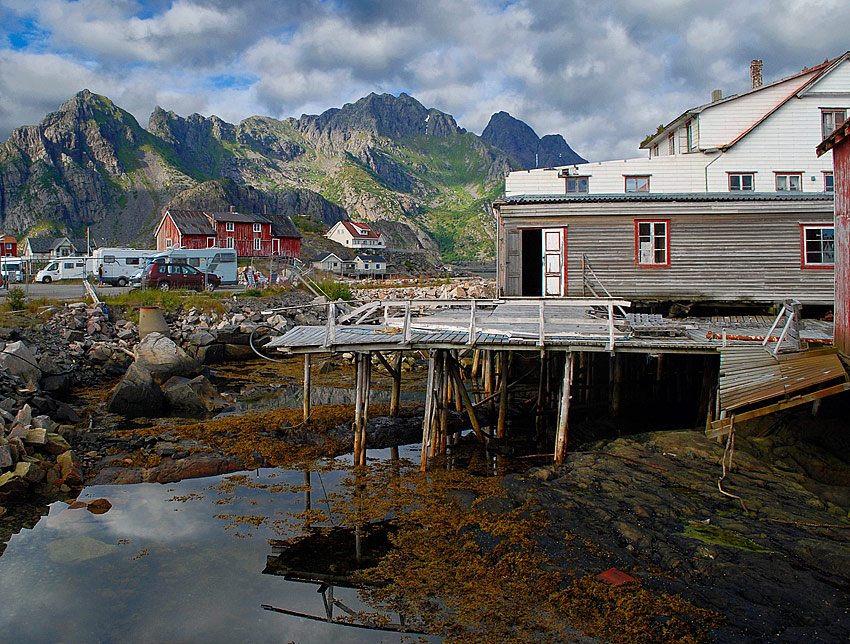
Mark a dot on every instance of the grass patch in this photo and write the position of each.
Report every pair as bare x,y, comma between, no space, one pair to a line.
170,300
335,290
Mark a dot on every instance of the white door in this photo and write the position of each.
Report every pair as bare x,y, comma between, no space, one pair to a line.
553,262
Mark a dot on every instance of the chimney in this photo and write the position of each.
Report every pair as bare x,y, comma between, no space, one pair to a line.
232,208
755,73
716,95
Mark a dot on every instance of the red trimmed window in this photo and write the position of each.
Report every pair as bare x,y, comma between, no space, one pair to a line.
671,144
818,246
652,243
637,184
743,181
828,182
789,181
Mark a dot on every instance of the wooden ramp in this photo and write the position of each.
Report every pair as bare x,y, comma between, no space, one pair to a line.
753,375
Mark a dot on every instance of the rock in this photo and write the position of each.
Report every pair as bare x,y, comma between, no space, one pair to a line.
23,417
202,338
30,472
137,394
238,352
162,358
11,483
99,506
36,436
196,396
20,361
6,456
56,444
69,469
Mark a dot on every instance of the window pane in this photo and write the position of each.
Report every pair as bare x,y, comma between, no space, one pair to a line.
794,182
747,182
643,229
734,182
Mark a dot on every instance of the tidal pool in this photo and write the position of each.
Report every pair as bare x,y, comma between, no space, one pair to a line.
159,566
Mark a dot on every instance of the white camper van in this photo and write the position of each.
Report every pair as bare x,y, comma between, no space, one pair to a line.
13,268
66,268
221,261
118,263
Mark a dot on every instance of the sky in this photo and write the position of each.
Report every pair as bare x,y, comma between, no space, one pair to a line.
603,73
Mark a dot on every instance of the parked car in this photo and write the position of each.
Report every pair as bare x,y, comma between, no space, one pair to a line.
166,276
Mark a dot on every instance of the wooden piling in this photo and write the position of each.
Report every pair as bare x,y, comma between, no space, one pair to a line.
396,391
564,411
367,391
306,386
429,406
445,391
358,406
504,363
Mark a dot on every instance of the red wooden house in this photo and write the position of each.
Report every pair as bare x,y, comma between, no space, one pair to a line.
839,143
8,246
248,234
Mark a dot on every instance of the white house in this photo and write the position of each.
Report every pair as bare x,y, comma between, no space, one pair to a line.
760,140
355,235
731,205
372,265
329,262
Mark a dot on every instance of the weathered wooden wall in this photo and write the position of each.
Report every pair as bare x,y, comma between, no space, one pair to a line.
748,251
841,160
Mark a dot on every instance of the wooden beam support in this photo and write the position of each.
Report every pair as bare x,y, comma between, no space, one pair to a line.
358,405
396,391
504,364
429,406
564,411
467,402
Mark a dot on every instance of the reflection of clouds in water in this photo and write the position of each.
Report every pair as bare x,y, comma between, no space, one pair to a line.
196,584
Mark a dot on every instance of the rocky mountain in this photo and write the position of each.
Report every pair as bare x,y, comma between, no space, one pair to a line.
386,159
524,147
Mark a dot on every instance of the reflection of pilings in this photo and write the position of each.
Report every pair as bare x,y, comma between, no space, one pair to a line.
427,419
362,388
306,386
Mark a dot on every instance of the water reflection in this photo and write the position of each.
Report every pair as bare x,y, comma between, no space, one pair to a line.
165,564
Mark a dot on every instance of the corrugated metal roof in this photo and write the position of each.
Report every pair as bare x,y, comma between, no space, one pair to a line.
666,197
239,217
192,222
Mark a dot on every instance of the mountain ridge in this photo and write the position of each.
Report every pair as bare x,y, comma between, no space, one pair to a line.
382,158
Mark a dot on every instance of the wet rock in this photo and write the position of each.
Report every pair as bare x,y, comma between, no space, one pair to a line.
195,396
99,506
137,394
29,471
238,352
210,354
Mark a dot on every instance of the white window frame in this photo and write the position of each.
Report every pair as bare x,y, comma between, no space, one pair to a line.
258,243
168,242
230,242
785,181
737,181
229,226
258,228
652,242
818,248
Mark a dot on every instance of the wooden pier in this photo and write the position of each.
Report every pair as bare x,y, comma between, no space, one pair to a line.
579,352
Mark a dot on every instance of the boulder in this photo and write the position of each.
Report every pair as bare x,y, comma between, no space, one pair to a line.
29,471
20,361
137,394
69,469
6,459
195,396
36,436
23,417
201,338
162,358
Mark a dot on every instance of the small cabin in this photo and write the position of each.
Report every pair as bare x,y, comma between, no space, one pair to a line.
724,248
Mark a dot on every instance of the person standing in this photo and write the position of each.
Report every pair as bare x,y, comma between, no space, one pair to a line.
100,275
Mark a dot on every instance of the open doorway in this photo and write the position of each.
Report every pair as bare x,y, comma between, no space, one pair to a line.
532,261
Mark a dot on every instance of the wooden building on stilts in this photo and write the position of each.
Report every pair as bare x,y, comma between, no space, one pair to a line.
557,359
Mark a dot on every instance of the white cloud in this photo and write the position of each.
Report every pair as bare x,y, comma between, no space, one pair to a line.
602,74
